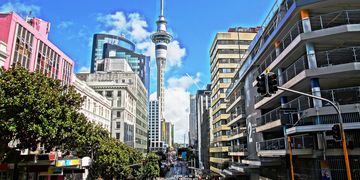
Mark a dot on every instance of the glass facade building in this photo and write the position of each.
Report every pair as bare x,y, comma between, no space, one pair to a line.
111,46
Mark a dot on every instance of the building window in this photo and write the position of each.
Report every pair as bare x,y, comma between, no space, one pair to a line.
94,108
117,135
119,93
118,125
118,114
23,47
109,94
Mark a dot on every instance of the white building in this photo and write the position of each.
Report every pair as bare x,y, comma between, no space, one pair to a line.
3,53
128,97
95,107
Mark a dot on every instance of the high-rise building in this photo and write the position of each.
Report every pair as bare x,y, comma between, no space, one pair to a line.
156,142
118,47
27,43
128,97
203,104
95,107
226,55
3,53
161,38
193,126
313,47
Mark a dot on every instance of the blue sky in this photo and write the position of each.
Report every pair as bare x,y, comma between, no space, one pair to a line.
193,24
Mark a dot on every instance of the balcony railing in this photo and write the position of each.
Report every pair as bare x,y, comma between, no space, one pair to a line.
237,131
335,19
238,148
285,115
343,96
298,142
317,23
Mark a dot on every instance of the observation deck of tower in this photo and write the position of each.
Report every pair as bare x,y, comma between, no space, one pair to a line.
161,38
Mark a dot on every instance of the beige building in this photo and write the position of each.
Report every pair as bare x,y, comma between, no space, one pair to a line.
128,96
226,55
95,107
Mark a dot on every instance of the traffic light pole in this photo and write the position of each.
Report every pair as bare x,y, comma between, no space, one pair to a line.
346,154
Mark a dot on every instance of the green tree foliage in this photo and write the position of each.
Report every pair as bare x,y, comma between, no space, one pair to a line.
35,109
151,168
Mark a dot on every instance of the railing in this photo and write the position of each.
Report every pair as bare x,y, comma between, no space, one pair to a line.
285,115
237,131
335,19
349,95
297,67
294,31
238,148
317,23
297,142
236,95
323,59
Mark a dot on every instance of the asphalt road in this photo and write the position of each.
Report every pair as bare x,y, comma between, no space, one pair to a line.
179,170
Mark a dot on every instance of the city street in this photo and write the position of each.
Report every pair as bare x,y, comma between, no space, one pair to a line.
179,171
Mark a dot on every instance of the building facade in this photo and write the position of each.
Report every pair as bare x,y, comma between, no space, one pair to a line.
27,44
95,107
313,47
128,97
226,54
203,104
118,47
169,127
3,53
193,125
156,143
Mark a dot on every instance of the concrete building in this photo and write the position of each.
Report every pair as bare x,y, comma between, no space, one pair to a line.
203,104
313,46
95,107
128,97
3,53
193,126
156,143
161,38
27,43
226,55
118,47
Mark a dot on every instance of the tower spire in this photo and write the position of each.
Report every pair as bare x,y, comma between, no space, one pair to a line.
161,7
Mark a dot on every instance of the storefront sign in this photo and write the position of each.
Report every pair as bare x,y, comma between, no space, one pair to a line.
52,171
69,162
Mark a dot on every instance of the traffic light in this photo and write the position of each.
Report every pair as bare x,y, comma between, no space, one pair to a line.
261,84
272,83
336,132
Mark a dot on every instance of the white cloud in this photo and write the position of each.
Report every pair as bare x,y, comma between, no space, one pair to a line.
175,54
84,69
64,24
20,8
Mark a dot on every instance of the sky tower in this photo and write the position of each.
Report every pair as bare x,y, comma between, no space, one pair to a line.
161,38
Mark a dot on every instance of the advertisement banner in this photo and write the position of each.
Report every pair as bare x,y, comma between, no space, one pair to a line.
68,162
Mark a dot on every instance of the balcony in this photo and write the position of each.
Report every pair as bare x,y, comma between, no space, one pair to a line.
237,133
348,99
301,145
238,150
333,62
233,118
276,118
218,160
234,99
219,149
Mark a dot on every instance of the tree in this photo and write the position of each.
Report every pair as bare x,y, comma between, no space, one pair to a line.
35,109
150,168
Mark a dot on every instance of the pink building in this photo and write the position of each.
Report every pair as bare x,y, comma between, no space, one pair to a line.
27,42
